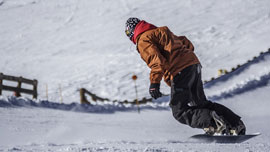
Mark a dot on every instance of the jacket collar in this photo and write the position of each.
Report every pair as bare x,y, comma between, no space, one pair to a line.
141,27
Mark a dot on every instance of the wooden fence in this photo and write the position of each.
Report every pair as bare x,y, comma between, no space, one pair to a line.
95,98
18,90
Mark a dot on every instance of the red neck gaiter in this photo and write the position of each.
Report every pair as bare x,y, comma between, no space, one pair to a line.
141,27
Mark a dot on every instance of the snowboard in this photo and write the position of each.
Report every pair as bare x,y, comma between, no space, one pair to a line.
204,138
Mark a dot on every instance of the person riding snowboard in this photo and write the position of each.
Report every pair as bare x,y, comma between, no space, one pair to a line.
172,57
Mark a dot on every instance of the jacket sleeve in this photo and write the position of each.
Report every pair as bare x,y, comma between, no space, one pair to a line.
151,55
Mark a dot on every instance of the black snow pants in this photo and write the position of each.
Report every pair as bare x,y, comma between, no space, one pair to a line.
189,104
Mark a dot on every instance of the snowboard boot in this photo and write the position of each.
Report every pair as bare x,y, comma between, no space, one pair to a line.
240,129
220,127
209,131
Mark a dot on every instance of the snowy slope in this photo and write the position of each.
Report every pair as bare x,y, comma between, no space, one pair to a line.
80,43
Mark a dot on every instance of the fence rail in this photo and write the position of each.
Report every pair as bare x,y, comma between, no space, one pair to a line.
84,92
18,90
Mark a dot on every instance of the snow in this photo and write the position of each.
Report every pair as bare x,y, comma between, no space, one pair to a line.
78,43
40,129
249,76
88,48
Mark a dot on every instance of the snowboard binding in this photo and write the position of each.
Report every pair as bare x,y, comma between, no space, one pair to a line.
224,128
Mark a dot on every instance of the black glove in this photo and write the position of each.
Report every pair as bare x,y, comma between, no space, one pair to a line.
154,90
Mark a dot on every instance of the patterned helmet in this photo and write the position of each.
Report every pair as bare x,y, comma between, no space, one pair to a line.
130,26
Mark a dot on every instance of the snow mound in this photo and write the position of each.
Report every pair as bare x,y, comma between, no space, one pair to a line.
250,76
98,107
260,59
248,86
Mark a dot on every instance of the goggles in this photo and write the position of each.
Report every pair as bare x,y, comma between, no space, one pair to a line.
127,31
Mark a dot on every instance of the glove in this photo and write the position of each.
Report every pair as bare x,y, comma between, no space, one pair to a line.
154,90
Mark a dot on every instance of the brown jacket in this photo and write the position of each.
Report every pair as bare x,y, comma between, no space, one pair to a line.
165,53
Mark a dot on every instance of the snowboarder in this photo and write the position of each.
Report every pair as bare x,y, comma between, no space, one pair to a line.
172,57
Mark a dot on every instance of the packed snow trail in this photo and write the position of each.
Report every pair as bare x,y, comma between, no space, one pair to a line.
29,128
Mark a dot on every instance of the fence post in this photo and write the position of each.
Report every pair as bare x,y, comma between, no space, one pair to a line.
82,96
35,89
134,77
47,94
1,82
19,86
60,93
